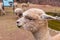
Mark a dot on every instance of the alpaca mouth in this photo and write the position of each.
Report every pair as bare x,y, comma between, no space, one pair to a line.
19,26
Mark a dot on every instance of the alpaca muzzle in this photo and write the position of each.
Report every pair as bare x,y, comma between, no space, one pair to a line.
19,26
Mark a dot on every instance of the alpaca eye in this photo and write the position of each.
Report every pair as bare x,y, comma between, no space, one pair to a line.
30,18
20,15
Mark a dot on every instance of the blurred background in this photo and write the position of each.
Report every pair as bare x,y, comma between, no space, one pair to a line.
8,21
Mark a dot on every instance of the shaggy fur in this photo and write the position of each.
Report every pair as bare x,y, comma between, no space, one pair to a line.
35,21
57,37
18,12
25,6
15,5
2,12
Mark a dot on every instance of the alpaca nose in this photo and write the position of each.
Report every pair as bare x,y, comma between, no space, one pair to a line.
18,22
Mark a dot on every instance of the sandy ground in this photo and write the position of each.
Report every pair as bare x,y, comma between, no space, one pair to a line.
7,25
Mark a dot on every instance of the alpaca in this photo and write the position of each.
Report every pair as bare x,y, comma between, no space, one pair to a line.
35,21
15,5
2,10
53,32
25,6
56,37
18,12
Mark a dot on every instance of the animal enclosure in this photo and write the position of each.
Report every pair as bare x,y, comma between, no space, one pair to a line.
8,21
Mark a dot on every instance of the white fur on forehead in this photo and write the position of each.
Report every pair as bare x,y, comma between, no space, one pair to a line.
18,10
36,10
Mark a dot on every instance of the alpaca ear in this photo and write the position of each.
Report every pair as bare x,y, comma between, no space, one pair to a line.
57,18
48,17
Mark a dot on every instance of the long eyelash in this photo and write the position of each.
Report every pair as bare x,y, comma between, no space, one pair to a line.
30,18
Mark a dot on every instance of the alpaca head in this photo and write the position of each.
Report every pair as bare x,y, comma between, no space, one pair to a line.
18,11
30,21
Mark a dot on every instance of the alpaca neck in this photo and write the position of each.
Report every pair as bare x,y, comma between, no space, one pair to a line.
43,33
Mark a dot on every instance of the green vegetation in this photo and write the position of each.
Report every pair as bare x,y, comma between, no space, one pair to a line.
54,24
53,14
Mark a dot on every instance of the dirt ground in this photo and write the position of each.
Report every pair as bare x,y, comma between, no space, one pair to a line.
7,25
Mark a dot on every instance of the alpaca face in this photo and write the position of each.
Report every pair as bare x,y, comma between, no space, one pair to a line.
30,21
18,12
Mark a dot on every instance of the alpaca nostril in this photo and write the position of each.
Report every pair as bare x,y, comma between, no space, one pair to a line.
17,22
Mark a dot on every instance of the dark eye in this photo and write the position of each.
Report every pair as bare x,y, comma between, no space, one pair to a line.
30,18
20,15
